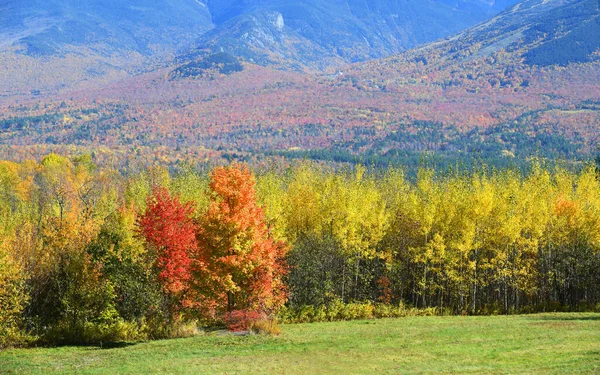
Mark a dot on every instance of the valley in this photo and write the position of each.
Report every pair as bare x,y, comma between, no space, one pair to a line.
475,96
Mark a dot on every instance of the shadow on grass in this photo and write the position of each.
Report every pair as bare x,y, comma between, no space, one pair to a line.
88,346
114,345
569,317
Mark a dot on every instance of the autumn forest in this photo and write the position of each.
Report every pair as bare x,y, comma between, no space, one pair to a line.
90,254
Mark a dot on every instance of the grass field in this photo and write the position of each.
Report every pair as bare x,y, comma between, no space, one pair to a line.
528,344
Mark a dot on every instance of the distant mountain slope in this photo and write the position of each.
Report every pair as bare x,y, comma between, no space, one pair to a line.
51,26
534,32
318,33
59,45
571,33
56,45
469,96
509,50
477,95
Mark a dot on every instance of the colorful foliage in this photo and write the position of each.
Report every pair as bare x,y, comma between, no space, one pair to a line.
168,227
88,254
235,244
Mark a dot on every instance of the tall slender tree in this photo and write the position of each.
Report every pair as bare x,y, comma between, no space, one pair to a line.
168,227
238,263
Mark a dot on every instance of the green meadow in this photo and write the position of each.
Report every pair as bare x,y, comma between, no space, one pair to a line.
525,344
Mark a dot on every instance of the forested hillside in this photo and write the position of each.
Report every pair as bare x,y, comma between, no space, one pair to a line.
59,45
475,96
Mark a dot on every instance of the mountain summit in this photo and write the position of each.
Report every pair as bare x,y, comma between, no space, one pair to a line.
319,33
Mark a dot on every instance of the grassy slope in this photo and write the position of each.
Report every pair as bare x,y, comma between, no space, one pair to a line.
540,344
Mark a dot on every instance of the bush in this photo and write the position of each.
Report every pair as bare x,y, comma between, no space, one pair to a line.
306,314
334,310
494,308
266,327
14,338
242,320
89,333
285,315
185,329
383,311
337,311
430,311
13,300
178,330
119,331
354,311
157,327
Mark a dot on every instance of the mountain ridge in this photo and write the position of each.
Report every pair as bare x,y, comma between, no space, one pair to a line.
58,45
316,34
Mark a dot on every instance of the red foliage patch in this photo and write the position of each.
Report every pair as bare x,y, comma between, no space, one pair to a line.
168,226
242,320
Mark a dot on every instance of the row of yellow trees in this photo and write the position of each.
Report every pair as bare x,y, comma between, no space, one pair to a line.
72,253
473,243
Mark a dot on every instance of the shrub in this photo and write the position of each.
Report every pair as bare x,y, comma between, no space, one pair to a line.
13,300
337,310
266,327
88,333
306,314
14,337
362,311
334,310
160,326
390,311
430,311
494,308
181,329
320,314
285,315
242,320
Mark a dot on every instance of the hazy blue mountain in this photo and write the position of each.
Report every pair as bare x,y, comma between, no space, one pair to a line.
45,27
537,32
74,43
318,32
308,32
570,33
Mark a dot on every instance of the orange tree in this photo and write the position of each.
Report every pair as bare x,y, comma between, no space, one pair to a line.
238,266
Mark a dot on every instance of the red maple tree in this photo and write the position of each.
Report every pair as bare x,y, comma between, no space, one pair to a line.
167,225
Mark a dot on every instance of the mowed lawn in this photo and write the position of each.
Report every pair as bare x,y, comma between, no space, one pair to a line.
527,344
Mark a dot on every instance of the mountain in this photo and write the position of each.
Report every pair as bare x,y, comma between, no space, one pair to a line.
49,27
533,32
48,46
485,93
532,39
525,82
317,33
569,34
60,45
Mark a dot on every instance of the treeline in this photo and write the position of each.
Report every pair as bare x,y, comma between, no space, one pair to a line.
90,254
